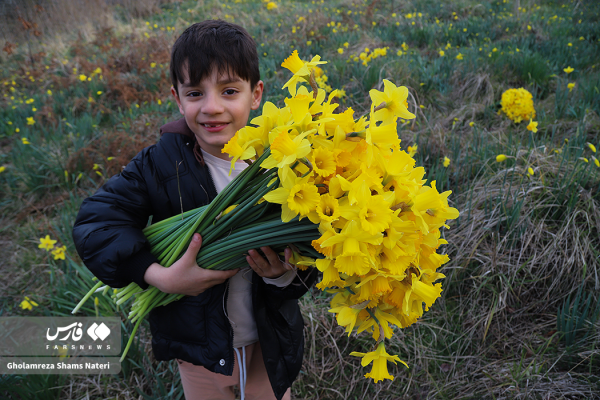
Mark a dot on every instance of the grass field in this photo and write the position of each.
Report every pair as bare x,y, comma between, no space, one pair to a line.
84,88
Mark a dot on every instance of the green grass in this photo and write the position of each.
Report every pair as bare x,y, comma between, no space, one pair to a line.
523,247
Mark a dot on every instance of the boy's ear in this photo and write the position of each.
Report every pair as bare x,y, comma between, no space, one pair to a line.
174,93
257,93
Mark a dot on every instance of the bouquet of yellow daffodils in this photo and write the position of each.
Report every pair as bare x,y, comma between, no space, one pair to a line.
379,224
342,191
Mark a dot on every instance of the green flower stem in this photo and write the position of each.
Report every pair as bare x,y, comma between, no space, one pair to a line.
87,296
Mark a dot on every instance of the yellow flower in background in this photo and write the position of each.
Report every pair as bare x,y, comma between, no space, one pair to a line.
46,243
532,126
30,121
379,358
571,86
271,5
472,124
82,78
340,50
500,158
568,70
517,104
459,56
412,150
2,168
59,253
596,161
24,140
446,162
592,147
28,304
442,53
530,171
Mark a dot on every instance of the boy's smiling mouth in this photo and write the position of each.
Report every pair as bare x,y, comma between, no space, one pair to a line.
214,126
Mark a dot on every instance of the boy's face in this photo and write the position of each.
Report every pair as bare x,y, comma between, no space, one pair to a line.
217,108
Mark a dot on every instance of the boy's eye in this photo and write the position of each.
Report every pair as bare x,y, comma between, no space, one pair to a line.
230,91
194,94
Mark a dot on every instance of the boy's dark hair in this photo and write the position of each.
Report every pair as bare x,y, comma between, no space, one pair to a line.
212,44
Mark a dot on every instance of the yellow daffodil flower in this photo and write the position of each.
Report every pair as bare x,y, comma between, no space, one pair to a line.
286,148
331,276
323,161
412,150
238,152
532,126
568,70
592,147
354,258
431,208
46,243
394,100
28,304
300,69
295,195
446,162
379,358
500,158
59,253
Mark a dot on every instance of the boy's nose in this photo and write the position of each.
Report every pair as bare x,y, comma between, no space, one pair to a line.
213,104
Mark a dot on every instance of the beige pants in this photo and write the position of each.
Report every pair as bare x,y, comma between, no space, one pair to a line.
202,384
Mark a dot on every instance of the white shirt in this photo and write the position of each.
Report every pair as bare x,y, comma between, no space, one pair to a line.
239,298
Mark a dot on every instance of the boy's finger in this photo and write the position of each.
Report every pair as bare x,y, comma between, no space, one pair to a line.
288,255
195,245
272,257
253,264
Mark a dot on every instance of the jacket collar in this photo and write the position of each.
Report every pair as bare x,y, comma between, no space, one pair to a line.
181,127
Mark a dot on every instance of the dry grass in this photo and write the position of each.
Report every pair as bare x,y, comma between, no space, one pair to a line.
42,24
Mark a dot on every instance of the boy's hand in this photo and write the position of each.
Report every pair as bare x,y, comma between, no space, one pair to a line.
272,267
185,276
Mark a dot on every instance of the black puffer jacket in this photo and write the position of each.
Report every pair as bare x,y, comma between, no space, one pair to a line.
109,239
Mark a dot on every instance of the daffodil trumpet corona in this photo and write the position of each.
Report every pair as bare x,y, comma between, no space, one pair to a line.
342,193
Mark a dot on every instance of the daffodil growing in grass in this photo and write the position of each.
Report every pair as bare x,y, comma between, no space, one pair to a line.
342,192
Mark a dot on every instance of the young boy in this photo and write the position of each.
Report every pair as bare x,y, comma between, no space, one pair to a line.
241,326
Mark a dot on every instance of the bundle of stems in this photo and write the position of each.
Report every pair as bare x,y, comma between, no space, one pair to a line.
234,222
